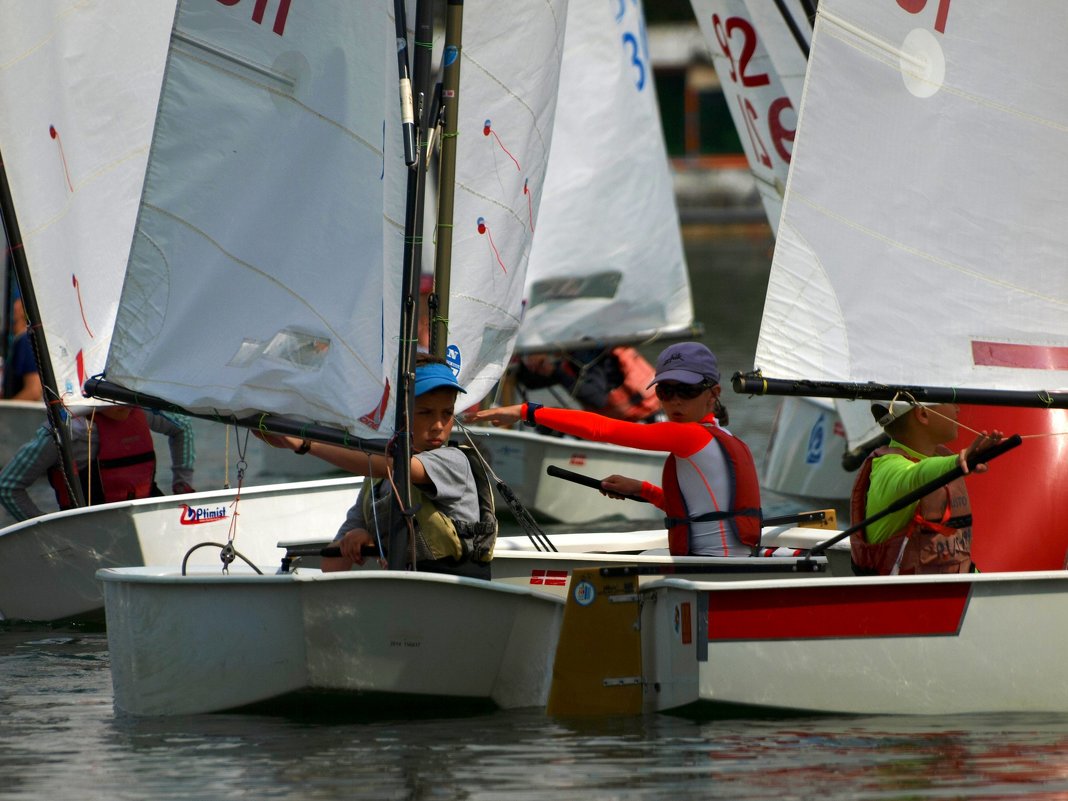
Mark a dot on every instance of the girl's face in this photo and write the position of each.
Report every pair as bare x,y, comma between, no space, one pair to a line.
686,403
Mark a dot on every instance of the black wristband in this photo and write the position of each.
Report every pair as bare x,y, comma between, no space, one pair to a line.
531,408
305,446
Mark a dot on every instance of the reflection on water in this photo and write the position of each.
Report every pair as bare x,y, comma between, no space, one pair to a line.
60,739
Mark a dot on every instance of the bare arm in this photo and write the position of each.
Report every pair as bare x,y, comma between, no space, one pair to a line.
356,462
32,388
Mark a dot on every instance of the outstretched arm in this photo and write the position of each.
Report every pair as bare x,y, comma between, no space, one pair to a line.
352,461
682,439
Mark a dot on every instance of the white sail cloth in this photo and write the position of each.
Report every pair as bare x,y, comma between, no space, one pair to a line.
607,261
509,76
79,83
922,239
265,273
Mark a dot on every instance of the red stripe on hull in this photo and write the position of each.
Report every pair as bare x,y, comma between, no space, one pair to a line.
1033,357
835,612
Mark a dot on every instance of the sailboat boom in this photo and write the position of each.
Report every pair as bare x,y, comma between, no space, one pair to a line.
98,387
757,384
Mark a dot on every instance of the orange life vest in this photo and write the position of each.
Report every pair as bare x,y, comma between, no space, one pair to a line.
125,465
743,518
936,540
633,400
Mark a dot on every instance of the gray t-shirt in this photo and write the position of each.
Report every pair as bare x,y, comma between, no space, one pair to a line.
453,491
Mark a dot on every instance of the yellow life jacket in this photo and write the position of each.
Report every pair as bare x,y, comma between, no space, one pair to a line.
438,536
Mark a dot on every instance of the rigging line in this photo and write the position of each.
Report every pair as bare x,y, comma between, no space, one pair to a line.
407,514
931,410
526,521
90,424
791,23
810,9
374,511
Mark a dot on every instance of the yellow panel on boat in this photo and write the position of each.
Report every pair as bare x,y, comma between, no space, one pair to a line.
828,519
598,667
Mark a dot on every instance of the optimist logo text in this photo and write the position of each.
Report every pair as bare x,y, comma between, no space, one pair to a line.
194,515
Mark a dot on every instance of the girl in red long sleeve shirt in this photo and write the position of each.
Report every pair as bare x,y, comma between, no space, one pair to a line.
710,489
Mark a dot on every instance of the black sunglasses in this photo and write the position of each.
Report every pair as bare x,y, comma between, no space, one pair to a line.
684,391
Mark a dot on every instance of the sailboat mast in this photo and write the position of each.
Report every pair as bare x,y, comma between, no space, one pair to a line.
402,547
450,99
37,336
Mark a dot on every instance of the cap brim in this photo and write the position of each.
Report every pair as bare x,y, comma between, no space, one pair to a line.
682,376
436,382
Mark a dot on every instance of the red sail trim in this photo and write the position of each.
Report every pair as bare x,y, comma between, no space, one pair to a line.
900,610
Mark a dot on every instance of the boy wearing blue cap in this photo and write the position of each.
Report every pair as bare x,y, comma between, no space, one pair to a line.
454,524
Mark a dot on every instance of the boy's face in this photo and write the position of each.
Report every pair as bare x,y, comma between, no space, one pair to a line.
433,419
943,422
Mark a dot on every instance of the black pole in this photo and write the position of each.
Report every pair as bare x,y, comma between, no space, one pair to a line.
9,299
973,460
53,399
401,546
791,23
450,102
98,387
406,104
757,384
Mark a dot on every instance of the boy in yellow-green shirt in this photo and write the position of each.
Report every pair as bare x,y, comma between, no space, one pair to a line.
934,534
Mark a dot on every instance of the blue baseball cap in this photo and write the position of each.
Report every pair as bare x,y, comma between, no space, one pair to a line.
435,376
687,363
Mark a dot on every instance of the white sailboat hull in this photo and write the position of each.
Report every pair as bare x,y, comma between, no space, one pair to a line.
48,563
521,457
903,645
390,633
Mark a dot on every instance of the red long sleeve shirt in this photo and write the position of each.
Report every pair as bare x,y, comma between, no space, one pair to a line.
681,439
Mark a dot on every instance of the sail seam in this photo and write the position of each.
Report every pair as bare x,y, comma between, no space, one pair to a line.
930,257
872,40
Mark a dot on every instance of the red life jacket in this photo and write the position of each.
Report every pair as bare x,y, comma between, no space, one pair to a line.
634,399
125,465
743,518
936,540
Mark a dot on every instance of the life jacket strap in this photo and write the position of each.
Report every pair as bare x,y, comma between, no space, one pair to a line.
709,517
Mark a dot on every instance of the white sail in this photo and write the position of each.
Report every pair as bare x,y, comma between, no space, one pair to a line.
509,76
761,66
922,237
79,83
607,261
264,273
